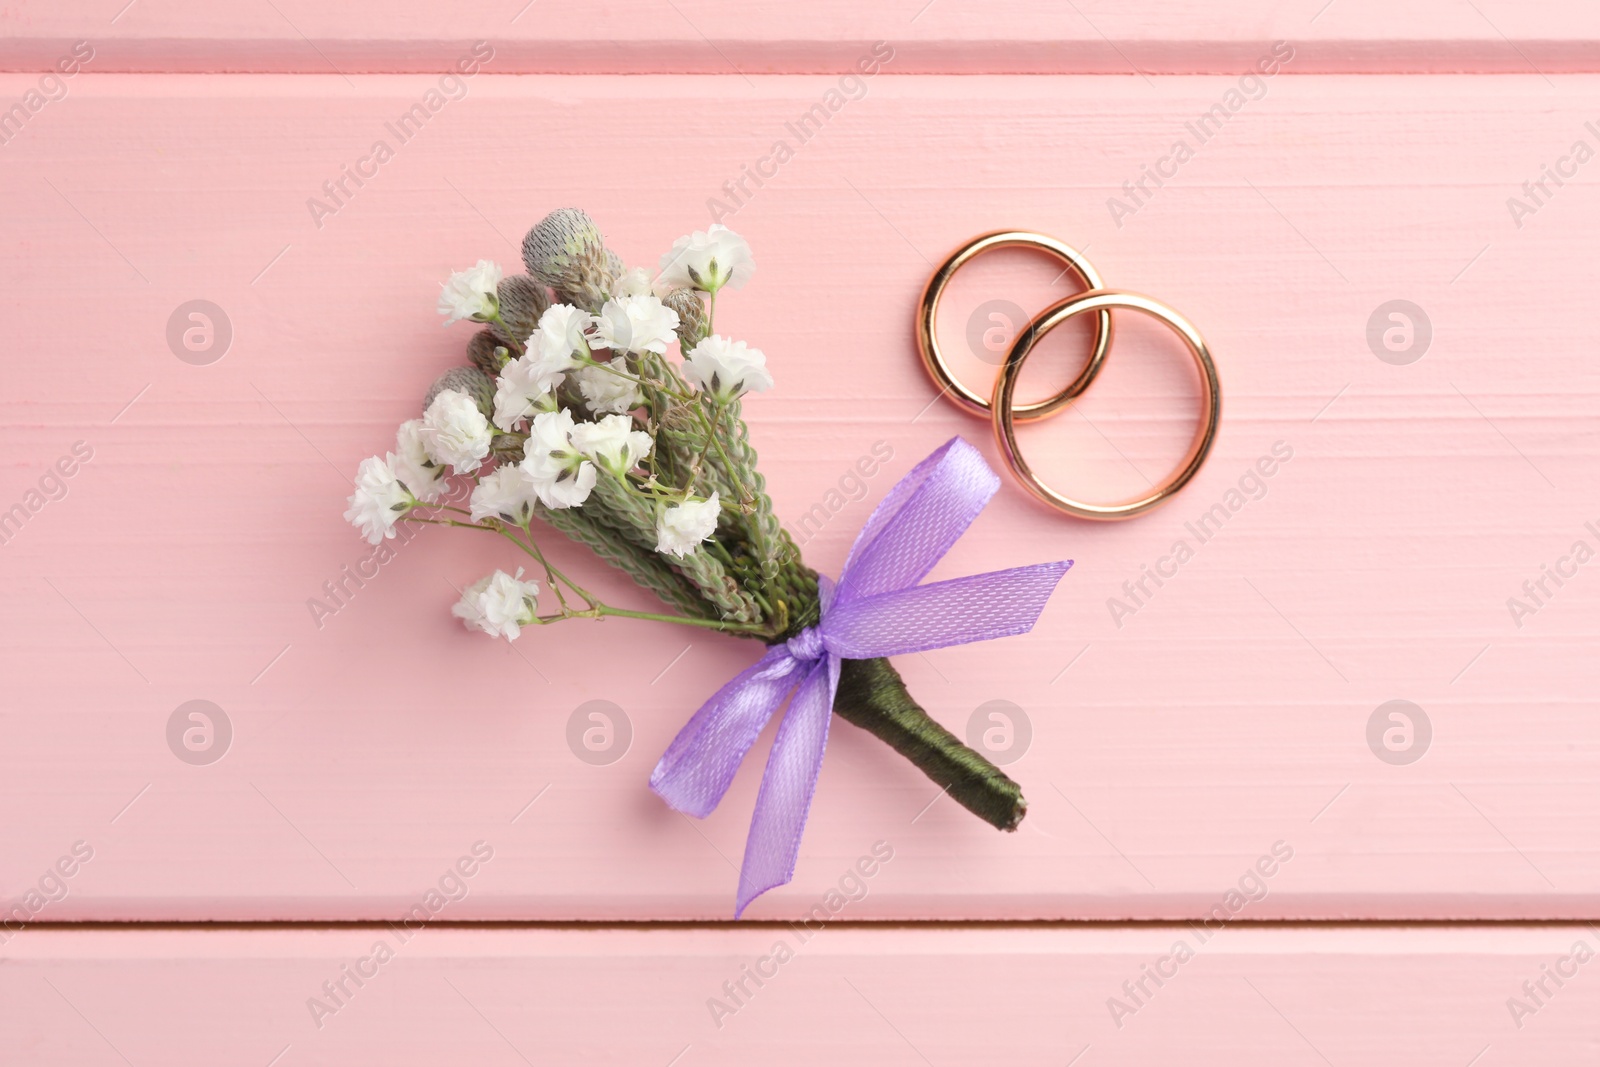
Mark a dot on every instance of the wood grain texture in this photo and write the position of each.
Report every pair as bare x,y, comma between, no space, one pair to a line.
847,995
721,36
373,746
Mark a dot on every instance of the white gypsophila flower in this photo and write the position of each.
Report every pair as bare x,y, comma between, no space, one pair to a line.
423,475
565,487
549,442
507,494
524,387
683,526
467,609
470,293
606,392
707,260
561,476
612,442
562,333
635,282
725,368
456,432
380,499
635,324
499,605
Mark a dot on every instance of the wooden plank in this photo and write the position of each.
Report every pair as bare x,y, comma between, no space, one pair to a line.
373,746
721,36
850,995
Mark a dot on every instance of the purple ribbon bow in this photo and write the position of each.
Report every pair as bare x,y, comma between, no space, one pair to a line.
876,609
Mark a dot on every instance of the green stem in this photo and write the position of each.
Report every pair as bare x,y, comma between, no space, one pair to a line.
873,696
752,628
551,573
653,490
449,522
505,331
745,499
590,361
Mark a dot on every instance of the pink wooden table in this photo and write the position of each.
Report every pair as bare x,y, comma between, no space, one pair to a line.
170,532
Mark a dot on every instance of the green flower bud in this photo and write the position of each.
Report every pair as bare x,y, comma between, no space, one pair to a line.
693,323
487,352
566,252
522,300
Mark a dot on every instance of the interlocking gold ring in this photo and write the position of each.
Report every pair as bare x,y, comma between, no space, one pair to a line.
1004,416
928,344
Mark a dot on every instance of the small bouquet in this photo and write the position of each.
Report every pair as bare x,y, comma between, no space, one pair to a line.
570,416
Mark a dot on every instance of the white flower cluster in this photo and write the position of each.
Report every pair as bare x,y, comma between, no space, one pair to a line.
708,260
725,368
471,293
576,417
499,605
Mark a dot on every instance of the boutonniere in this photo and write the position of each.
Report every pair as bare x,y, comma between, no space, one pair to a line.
575,417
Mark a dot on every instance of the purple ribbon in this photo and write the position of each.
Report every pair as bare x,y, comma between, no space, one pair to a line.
876,609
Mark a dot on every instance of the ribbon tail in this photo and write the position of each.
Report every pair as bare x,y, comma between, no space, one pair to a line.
700,764
788,785
976,608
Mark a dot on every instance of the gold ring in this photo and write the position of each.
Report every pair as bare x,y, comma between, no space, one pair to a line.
1102,300
928,345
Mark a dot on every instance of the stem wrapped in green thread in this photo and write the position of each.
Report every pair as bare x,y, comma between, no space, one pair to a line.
874,697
